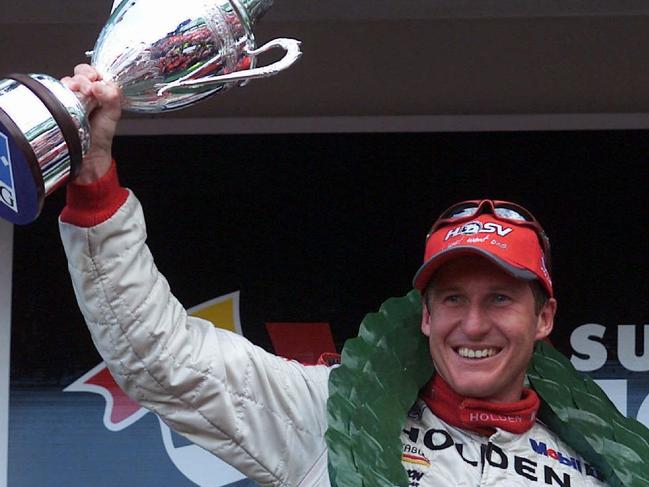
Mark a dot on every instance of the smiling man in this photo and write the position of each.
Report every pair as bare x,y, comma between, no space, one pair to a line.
487,298
482,325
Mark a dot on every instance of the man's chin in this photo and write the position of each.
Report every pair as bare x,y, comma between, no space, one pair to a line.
474,392
478,388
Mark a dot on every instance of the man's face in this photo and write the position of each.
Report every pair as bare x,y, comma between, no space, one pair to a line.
482,326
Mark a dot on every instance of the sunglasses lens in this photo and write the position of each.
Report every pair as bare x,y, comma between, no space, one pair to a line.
511,214
500,211
462,212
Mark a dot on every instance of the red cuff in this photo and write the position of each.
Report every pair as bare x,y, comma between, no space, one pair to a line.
91,204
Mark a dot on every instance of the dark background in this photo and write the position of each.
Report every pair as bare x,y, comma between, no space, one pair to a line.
326,227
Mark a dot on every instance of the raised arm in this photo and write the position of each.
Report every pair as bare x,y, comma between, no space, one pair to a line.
258,412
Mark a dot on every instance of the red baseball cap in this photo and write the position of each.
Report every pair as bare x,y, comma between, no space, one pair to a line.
513,246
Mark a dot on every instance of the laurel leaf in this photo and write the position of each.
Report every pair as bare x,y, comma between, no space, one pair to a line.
380,375
588,421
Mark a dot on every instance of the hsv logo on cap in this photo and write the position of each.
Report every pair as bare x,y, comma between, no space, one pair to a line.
515,248
476,227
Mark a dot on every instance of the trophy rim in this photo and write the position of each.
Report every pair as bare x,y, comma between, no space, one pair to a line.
19,138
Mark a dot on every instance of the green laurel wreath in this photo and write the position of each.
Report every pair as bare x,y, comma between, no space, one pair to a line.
577,409
371,392
384,368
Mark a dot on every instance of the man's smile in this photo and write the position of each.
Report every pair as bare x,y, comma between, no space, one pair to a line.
472,353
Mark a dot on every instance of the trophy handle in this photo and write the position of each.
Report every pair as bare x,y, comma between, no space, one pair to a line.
293,53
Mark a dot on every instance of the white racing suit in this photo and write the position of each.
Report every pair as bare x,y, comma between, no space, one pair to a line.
438,454
264,415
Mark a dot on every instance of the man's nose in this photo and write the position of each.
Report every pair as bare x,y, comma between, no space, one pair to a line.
475,323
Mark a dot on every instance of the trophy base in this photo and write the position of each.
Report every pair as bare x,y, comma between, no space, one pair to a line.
21,184
43,134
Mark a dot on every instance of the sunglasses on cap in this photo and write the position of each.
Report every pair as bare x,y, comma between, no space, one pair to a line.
501,210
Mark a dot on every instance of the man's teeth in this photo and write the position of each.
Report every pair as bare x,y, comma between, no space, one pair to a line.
470,353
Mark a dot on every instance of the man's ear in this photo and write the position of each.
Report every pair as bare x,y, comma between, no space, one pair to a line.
425,319
545,320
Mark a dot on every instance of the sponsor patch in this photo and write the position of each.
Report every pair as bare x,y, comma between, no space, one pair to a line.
541,448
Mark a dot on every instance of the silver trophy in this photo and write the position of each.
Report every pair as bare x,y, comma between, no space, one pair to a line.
162,54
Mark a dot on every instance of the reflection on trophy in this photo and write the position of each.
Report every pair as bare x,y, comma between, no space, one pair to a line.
162,54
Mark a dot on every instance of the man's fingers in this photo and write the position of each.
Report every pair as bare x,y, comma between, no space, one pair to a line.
78,83
109,98
88,71
69,83
106,107
104,92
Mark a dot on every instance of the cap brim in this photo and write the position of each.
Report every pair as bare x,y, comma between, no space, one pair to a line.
426,271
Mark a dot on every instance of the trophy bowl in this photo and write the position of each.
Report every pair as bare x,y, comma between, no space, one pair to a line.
162,54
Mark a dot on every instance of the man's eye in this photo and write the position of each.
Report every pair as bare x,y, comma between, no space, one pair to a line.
502,298
452,299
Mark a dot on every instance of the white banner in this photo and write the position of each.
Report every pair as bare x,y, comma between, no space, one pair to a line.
6,261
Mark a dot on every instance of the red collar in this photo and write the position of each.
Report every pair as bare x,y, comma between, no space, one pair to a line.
477,415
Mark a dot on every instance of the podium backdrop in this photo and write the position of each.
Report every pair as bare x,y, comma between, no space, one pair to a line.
321,229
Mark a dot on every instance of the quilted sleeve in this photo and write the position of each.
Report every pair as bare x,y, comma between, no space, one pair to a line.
262,414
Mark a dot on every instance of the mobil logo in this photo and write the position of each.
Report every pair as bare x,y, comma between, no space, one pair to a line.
304,342
7,187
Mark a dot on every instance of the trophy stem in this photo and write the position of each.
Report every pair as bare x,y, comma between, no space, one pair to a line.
256,8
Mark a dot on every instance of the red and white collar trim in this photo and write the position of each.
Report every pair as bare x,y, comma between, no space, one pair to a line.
477,415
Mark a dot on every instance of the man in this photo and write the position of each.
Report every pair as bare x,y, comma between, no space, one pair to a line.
487,298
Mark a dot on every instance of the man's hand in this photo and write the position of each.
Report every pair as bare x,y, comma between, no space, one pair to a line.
103,119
